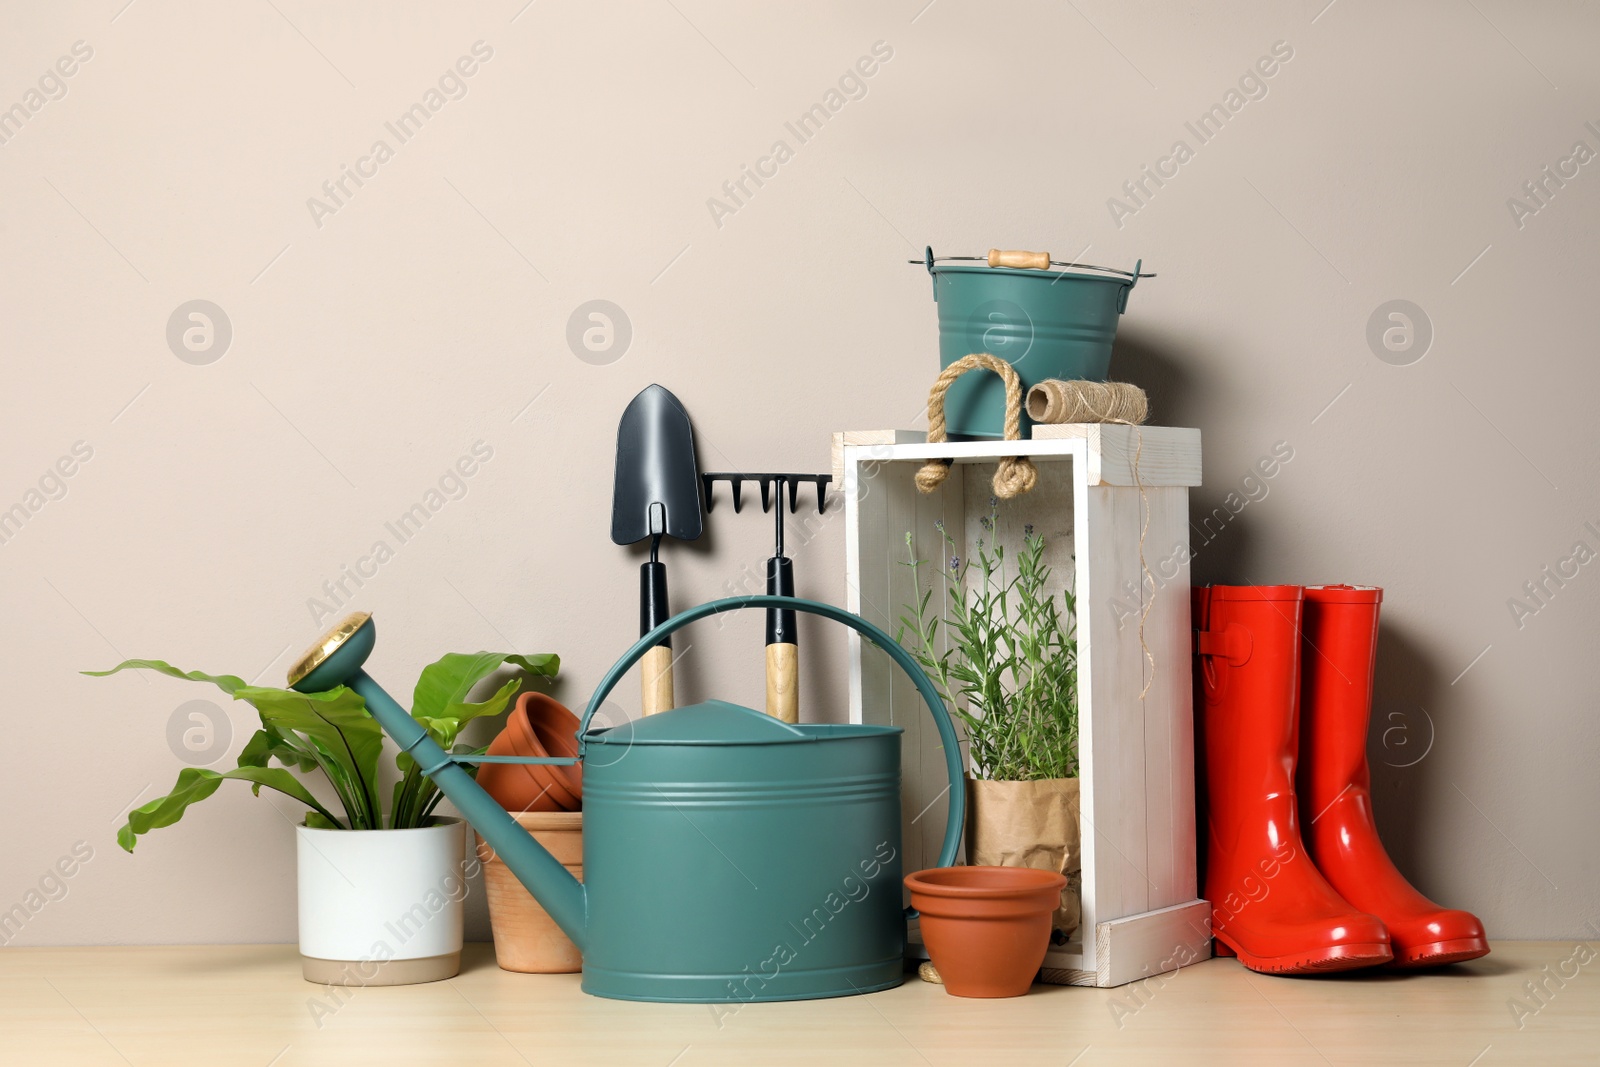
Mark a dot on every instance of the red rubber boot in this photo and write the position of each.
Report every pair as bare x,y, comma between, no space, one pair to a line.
1269,904
1341,640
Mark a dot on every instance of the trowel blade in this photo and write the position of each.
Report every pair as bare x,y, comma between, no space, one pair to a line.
657,489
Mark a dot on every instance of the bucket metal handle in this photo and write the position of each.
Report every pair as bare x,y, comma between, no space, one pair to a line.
956,813
1122,297
1031,261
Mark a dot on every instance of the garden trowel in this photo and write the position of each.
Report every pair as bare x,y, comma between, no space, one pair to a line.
657,494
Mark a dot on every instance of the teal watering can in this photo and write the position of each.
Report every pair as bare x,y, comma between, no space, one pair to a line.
727,856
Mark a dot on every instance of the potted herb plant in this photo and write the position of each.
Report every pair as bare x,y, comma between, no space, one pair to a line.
381,885
1004,655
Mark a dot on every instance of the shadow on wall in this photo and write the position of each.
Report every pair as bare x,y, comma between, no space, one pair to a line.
1409,689
1164,367
1407,774
688,671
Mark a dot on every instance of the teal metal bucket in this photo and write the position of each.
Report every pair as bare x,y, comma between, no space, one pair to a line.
1051,323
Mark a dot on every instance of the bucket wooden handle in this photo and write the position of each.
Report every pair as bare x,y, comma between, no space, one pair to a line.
1016,257
1014,475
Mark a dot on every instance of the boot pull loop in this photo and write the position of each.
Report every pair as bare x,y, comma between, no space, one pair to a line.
1232,644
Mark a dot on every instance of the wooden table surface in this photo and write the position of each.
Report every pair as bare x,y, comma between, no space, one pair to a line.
219,1006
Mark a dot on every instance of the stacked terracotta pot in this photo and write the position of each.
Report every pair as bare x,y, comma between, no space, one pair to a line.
547,801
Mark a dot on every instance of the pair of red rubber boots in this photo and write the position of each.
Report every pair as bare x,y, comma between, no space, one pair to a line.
1298,880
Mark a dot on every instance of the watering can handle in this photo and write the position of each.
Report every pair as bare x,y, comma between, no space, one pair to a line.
955,816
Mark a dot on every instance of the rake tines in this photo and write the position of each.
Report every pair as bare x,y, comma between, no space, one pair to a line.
793,482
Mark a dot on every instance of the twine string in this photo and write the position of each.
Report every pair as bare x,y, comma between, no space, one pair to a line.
1056,401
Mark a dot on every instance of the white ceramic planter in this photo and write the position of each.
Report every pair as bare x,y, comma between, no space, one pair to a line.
381,907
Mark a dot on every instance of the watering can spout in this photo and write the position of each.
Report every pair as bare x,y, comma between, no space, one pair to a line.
337,660
551,884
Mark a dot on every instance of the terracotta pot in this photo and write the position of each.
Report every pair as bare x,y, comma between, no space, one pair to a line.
986,928
525,937
537,726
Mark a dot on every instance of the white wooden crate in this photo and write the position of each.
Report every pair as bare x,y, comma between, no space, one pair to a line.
1141,914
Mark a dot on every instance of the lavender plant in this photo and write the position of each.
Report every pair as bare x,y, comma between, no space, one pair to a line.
1009,668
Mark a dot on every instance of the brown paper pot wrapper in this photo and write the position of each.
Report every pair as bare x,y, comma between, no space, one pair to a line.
1029,824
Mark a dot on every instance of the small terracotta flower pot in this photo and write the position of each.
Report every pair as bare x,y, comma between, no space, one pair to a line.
526,939
987,928
537,726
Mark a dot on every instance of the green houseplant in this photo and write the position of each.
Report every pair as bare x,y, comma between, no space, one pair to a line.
380,887
332,735
1003,651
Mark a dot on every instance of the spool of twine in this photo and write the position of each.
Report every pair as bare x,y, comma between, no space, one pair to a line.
1014,475
1055,401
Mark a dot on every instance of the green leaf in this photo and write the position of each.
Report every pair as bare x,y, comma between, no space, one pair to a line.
340,730
353,793
403,791
225,682
444,728
542,664
442,688
412,791
440,704
430,802
315,820
195,784
440,700
268,744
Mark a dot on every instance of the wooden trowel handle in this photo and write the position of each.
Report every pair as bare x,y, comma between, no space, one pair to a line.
1015,257
655,677
655,670
783,682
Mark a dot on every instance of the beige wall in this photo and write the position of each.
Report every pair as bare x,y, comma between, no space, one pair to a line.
374,344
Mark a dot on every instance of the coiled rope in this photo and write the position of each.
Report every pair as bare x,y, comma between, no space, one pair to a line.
1013,475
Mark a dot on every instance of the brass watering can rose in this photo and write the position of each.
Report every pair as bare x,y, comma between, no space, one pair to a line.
327,645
